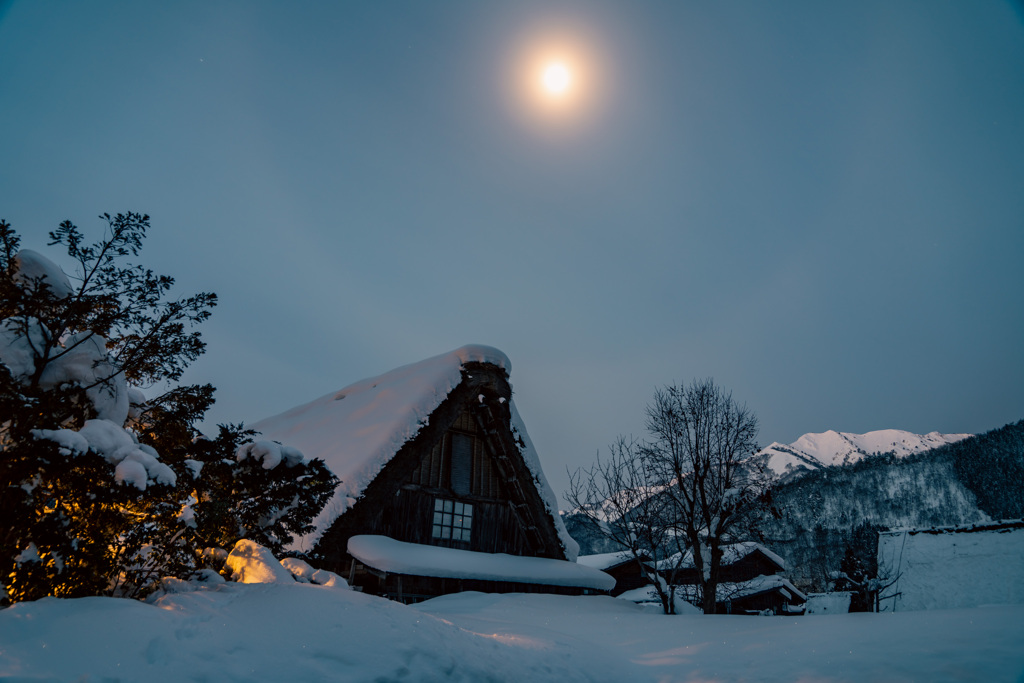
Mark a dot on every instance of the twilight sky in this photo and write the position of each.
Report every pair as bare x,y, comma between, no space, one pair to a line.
819,205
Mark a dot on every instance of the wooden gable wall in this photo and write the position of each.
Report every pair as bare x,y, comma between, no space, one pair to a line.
461,457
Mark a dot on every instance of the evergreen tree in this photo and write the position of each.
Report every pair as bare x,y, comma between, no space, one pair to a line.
92,507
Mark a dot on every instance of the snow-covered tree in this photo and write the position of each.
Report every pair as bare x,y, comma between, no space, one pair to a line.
99,487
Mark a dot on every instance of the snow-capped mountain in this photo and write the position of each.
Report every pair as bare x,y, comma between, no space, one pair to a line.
813,451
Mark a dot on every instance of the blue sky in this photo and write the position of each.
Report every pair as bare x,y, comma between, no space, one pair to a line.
820,205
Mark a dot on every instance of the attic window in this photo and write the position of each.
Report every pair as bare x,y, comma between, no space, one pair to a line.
452,520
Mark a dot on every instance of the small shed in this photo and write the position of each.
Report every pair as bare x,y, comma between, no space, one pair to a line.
438,474
772,594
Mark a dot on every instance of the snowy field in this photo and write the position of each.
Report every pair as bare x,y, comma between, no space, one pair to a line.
302,632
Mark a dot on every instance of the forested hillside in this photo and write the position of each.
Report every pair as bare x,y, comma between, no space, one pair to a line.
825,513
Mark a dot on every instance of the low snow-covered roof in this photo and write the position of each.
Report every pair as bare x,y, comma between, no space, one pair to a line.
357,430
388,555
726,591
759,584
606,560
731,554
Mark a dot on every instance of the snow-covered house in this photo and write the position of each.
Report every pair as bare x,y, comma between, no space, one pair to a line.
442,490
953,566
749,581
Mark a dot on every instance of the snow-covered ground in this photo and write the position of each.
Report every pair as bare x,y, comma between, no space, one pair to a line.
303,632
957,566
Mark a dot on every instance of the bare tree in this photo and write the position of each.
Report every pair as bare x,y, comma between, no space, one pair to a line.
620,498
699,450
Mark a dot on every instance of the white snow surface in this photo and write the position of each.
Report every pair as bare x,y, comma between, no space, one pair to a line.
303,571
387,554
358,429
950,567
250,562
308,633
837,602
812,451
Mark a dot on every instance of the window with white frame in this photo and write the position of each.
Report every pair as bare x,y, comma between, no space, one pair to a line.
452,520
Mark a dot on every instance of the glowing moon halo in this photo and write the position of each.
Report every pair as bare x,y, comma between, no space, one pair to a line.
556,78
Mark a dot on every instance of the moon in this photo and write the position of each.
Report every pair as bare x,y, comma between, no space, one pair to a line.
556,78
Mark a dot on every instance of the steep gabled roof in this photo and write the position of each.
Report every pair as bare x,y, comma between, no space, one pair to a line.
356,431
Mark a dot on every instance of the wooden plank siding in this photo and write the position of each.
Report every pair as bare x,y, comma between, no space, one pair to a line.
409,516
508,514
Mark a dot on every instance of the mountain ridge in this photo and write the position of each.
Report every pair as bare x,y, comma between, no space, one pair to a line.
816,450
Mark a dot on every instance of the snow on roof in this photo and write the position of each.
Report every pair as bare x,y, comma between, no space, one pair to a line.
997,526
758,584
731,554
387,554
605,560
724,591
357,430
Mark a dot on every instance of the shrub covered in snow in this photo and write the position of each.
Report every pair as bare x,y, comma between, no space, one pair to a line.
102,492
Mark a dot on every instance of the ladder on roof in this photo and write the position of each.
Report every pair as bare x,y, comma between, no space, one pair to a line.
489,424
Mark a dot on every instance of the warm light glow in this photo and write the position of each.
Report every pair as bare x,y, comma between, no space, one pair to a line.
558,81
556,78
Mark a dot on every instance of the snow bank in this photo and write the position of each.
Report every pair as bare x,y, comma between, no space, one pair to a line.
387,554
948,567
250,562
274,633
358,429
981,644
301,632
837,602
302,571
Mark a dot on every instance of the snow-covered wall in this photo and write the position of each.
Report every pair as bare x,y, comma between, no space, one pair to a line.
951,567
